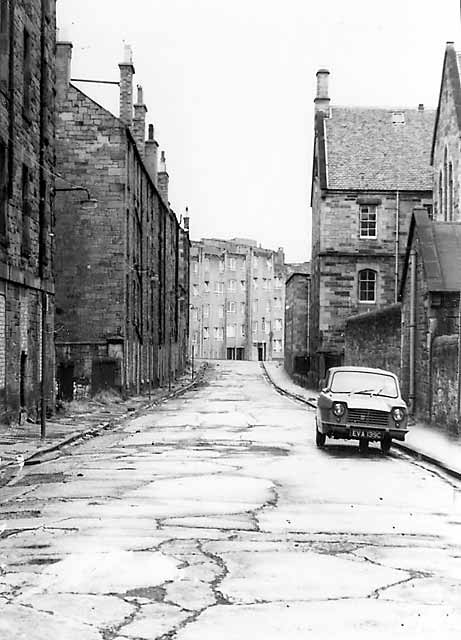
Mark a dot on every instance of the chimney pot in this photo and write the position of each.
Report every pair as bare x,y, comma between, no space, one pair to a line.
420,107
151,132
140,95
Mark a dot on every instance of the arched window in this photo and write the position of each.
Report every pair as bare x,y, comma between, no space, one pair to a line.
367,285
445,184
440,198
450,192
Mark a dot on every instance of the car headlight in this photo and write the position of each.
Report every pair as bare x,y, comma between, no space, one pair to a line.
338,409
398,414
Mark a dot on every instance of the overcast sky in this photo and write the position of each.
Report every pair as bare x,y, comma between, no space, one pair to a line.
229,86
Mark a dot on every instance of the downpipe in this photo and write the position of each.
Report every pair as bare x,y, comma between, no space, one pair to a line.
412,329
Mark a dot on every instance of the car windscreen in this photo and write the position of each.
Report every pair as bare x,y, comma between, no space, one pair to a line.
378,384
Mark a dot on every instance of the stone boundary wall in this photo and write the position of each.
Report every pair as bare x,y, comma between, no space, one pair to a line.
373,339
444,392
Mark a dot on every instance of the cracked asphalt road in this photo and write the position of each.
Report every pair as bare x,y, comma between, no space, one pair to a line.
215,516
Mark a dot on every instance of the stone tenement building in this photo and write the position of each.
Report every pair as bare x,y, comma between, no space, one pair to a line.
121,255
445,157
371,169
27,61
237,300
297,308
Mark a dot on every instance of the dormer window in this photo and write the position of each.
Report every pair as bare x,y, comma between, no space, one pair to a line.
367,221
398,117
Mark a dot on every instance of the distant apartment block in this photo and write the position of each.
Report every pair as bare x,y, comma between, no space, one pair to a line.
237,295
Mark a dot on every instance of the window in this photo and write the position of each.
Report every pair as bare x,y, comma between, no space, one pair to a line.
255,306
219,287
255,283
206,310
367,221
277,303
264,283
206,333
242,330
440,198
25,240
450,192
195,290
242,308
255,263
255,326
232,285
230,306
398,117
231,263
206,264
195,314
278,282
206,286
195,337
242,285
445,185
231,330
194,266
221,266
367,285
268,306
429,210
221,311
269,264
263,324
3,188
278,324
27,72
277,345
219,333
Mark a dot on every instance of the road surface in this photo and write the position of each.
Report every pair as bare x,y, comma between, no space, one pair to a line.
215,516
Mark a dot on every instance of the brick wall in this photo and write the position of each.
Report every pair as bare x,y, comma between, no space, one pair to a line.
373,339
27,62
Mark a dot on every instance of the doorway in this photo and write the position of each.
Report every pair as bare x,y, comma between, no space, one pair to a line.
261,351
22,379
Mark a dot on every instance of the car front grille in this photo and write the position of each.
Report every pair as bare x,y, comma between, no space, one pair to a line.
368,417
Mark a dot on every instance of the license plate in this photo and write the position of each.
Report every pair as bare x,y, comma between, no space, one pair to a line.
366,433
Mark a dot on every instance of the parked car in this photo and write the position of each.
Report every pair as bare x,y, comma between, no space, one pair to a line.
357,403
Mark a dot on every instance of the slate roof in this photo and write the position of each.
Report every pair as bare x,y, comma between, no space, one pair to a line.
440,250
364,150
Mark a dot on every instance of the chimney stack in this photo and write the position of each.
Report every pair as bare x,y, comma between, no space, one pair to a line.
420,107
126,87
322,100
163,178
139,123
186,220
63,68
151,154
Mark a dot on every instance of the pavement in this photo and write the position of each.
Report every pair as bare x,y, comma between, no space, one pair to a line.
428,442
22,445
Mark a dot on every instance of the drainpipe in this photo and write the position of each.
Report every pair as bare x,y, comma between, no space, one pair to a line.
411,394
430,339
397,231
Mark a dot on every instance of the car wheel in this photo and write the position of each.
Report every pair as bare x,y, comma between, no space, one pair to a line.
320,438
386,444
363,445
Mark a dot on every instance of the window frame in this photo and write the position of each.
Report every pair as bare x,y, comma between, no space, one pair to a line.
365,282
373,210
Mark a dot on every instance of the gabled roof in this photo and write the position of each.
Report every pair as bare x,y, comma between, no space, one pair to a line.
440,251
360,148
451,71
